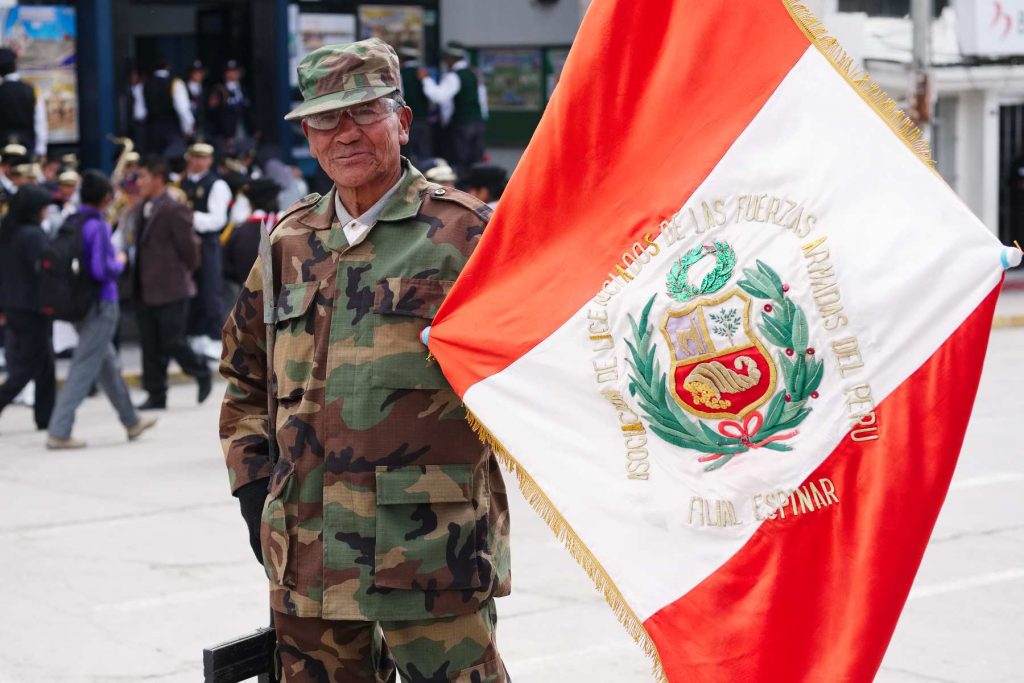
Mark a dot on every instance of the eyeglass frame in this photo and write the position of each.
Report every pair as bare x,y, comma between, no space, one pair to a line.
393,106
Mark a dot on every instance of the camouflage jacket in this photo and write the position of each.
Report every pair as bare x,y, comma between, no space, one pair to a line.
383,504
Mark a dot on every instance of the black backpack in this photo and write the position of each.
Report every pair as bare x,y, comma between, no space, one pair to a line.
66,290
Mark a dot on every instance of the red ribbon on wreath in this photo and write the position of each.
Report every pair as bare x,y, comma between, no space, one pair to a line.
745,431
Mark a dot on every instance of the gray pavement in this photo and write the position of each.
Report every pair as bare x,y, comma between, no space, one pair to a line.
121,561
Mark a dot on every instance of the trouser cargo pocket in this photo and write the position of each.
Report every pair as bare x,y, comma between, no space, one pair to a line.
431,527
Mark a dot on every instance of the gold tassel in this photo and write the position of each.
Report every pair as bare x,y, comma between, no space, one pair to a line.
872,93
543,506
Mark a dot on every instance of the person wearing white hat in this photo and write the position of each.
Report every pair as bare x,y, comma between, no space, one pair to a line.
209,196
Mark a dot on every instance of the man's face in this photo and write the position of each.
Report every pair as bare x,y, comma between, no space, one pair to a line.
197,76
67,192
361,156
232,74
149,185
198,164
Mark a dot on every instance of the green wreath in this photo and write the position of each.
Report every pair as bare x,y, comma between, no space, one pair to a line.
783,324
725,262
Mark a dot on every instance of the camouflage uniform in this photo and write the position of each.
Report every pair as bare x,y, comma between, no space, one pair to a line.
383,506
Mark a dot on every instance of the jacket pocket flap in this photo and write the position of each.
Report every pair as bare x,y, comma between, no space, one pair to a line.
294,299
414,484
416,297
279,477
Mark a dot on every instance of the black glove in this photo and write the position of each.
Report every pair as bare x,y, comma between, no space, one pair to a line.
251,498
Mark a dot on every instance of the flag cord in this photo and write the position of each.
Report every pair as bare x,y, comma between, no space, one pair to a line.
547,511
870,92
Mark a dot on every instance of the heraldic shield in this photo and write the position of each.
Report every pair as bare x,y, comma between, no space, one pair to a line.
720,369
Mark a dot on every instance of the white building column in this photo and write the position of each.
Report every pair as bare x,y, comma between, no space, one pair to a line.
977,154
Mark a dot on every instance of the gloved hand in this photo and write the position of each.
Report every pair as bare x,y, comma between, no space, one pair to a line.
251,498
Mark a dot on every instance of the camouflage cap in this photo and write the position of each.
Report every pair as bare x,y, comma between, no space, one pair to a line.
338,76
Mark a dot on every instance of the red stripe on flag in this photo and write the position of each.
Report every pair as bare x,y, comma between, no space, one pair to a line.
645,109
816,597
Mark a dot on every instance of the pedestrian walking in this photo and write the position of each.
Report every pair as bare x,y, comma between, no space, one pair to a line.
22,111
168,113
370,500
95,361
462,97
166,253
209,197
28,346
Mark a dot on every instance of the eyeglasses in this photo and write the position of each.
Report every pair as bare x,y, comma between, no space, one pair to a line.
364,114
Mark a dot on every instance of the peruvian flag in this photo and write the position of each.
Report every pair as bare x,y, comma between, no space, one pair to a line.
726,328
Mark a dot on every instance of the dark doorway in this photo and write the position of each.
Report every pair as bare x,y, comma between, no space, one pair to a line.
180,33
1011,173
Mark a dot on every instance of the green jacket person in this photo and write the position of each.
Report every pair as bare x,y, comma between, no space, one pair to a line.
369,498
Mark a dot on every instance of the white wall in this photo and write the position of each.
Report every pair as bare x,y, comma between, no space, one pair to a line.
977,154
480,23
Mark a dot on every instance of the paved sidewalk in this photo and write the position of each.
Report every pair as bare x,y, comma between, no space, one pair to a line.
121,561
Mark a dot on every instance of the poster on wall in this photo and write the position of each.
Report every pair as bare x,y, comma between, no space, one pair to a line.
43,36
317,30
513,79
398,25
556,62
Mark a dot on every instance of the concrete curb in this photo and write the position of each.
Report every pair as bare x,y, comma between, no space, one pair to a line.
1004,321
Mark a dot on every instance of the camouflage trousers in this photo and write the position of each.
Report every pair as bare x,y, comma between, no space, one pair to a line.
449,650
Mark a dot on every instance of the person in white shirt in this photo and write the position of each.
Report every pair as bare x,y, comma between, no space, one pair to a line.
462,99
169,117
210,198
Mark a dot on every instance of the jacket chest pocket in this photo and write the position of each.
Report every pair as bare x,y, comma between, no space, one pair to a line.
295,316
404,307
429,524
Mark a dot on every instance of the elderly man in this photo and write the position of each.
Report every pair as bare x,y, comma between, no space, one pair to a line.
371,503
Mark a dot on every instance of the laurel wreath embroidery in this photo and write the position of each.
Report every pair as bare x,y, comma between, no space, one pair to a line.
784,324
725,262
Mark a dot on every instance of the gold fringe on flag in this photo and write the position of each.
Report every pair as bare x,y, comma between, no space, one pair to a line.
543,506
871,92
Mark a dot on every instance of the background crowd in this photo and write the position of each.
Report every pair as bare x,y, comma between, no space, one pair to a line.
173,232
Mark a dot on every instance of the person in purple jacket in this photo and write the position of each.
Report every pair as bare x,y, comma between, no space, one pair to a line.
95,360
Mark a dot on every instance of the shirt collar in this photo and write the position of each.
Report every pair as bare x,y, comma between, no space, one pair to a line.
404,203
13,76
369,217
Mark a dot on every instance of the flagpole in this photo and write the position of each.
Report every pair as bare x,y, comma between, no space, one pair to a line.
920,95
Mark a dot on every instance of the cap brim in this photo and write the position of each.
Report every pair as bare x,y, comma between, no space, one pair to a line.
338,100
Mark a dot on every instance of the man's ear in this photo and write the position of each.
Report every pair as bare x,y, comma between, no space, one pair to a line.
404,121
305,131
